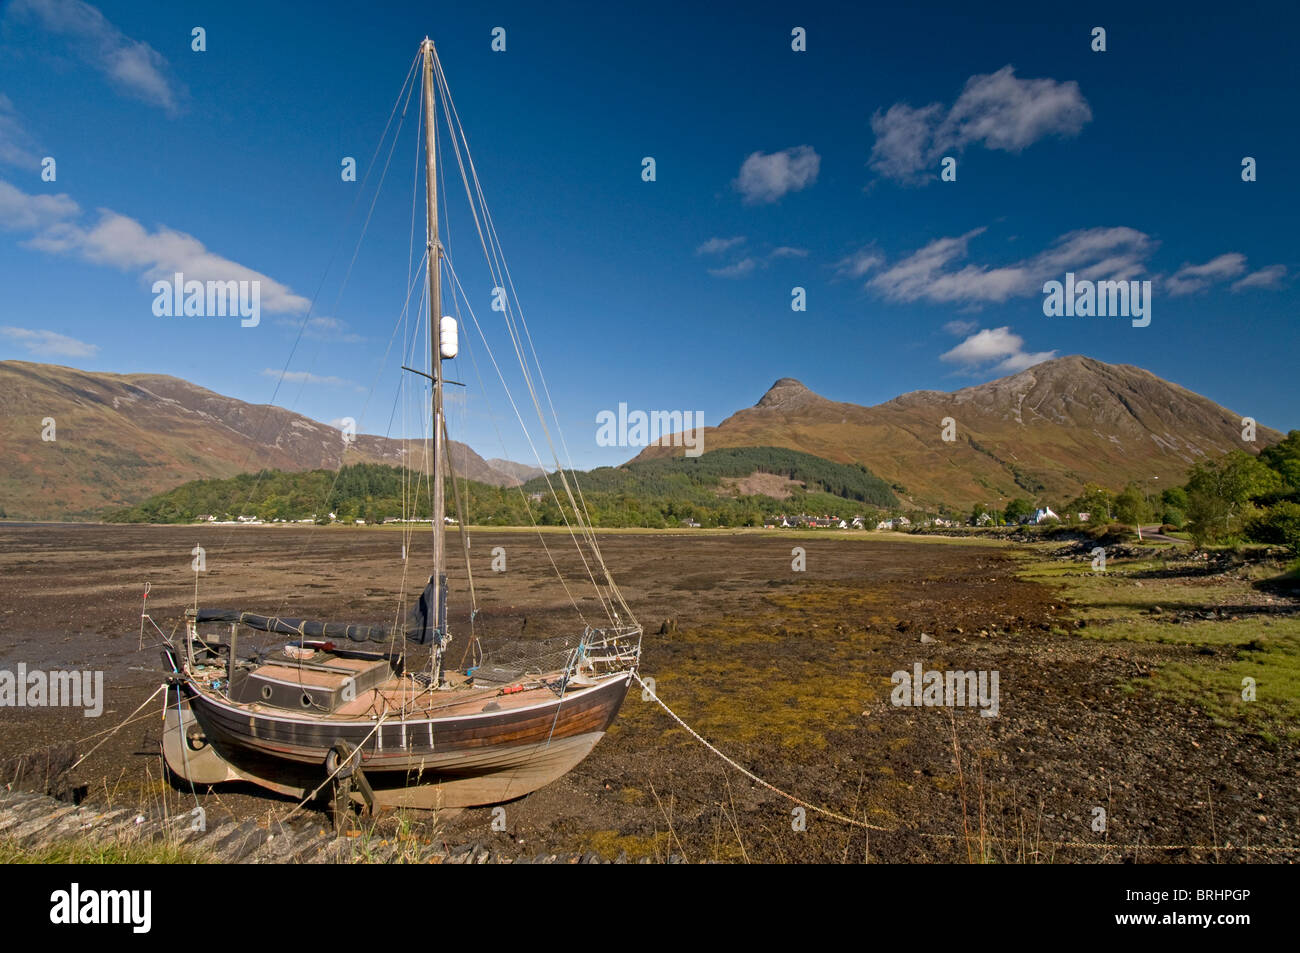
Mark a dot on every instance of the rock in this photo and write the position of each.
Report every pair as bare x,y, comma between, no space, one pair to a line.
926,637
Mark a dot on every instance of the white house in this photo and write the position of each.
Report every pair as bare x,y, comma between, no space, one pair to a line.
1044,513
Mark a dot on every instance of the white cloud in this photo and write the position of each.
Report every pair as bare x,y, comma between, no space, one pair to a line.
16,145
1192,278
134,67
787,251
932,274
936,272
925,274
752,262
995,110
1269,277
859,263
1017,362
999,347
322,328
741,268
123,243
716,246
1115,253
49,343
767,177
20,212
958,328
306,377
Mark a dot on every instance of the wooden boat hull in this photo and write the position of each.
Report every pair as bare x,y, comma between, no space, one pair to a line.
459,761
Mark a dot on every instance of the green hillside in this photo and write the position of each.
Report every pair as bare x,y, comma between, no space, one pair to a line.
652,493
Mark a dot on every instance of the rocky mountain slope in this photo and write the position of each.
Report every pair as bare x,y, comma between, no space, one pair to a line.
120,438
1041,433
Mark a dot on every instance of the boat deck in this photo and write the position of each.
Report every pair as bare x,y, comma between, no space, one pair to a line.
403,694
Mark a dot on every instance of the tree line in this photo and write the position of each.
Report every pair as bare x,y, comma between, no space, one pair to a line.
1232,498
655,494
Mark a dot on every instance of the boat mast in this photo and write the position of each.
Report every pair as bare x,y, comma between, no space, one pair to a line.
434,249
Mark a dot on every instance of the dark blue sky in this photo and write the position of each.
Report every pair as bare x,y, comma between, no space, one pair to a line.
775,169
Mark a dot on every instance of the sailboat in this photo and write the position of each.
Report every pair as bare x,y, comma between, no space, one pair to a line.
336,707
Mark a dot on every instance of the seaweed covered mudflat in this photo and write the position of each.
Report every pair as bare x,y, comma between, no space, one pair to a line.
952,700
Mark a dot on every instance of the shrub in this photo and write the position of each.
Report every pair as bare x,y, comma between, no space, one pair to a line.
1279,525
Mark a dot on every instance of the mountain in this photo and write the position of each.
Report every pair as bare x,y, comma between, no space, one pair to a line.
120,438
1041,433
522,472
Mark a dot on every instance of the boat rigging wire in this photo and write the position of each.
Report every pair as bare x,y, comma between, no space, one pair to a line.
321,284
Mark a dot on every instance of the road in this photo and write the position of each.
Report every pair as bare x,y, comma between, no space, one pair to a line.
1153,534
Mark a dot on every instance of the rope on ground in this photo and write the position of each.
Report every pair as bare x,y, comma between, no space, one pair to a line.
121,726
843,819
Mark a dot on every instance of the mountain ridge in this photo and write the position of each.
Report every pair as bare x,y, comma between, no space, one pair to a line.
120,438
1043,431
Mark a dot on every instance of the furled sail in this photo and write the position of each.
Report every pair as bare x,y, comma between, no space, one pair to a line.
419,627
422,622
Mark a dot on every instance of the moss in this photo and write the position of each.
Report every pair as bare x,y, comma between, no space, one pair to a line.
1120,605
727,684
609,844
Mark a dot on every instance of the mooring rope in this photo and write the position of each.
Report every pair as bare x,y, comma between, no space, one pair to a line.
342,763
844,819
124,723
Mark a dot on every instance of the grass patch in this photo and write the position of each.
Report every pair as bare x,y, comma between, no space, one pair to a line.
87,851
1159,600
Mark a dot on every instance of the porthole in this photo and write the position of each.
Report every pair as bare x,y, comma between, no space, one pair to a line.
305,701
266,692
